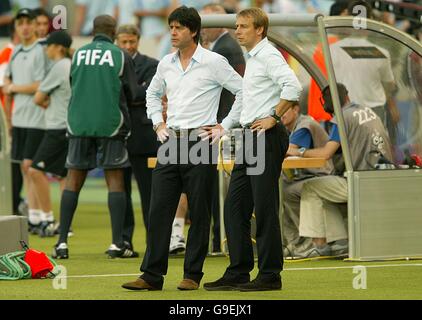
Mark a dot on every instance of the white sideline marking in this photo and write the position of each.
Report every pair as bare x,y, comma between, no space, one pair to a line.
287,269
351,267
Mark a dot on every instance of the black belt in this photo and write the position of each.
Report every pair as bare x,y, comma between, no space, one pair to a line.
181,133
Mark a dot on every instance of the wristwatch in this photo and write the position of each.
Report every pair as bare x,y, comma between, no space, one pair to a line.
275,116
156,126
302,151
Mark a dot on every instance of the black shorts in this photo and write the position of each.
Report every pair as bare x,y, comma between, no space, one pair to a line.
51,154
89,153
25,143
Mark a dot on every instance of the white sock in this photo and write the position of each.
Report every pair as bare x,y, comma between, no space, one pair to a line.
178,227
34,216
47,216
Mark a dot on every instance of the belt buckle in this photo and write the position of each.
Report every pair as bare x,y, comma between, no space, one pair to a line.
182,133
247,126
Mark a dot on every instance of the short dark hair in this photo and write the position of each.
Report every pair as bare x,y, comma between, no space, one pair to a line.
368,8
41,12
328,102
338,7
105,24
189,18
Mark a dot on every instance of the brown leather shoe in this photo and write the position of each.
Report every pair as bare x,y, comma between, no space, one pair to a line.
188,284
140,284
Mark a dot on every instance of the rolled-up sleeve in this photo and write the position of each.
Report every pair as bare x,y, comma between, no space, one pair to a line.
155,92
232,81
282,75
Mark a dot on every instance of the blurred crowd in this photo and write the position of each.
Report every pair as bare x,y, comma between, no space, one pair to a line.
151,15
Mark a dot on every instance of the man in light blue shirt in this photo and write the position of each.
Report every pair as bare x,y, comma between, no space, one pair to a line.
192,79
30,4
87,10
152,14
270,88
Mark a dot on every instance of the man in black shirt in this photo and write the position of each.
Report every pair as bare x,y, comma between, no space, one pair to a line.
142,142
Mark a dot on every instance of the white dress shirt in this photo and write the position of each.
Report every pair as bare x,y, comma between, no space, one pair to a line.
363,77
194,94
268,79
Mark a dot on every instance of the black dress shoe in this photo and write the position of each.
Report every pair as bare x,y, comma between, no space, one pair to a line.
223,284
261,285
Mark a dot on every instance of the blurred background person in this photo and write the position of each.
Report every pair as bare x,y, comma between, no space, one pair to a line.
304,133
125,11
20,207
30,4
152,15
43,21
87,10
53,95
6,18
23,76
315,108
142,142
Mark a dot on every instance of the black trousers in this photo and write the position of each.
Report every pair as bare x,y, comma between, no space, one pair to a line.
168,181
215,215
17,183
143,176
261,191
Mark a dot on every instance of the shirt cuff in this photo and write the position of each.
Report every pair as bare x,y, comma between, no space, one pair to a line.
292,94
289,97
227,124
157,118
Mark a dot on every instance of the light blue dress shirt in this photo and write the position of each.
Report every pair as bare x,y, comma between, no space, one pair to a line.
153,26
126,11
95,8
194,94
268,79
30,4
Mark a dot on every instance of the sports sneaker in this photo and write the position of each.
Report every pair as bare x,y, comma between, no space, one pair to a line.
127,244
23,208
116,252
57,230
297,249
33,228
46,229
60,251
339,247
316,252
177,245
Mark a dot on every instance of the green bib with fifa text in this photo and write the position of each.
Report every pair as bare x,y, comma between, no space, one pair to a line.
94,109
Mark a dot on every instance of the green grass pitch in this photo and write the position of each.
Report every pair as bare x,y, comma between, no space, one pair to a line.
91,275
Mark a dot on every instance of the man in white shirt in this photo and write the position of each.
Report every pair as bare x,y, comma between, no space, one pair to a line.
87,10
365,69
270,88
192,79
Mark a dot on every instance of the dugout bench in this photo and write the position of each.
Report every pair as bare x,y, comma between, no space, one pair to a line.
384,206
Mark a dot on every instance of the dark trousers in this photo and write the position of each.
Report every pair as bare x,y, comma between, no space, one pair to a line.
168,181
143,176
215,214
17,183
262,192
